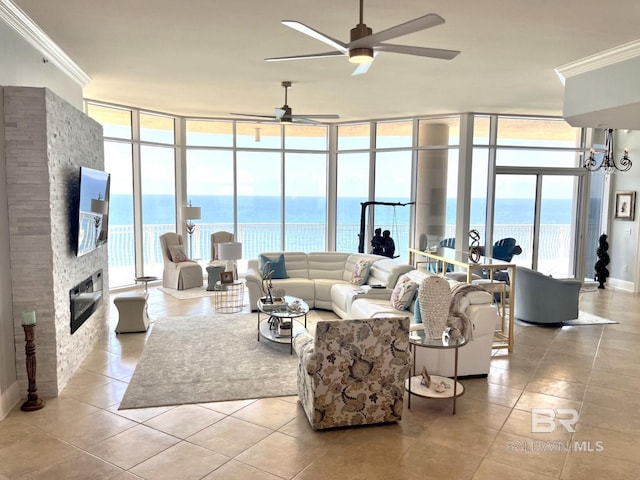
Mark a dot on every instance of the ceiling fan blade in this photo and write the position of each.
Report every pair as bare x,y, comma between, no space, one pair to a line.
415,25
419,51
303,57
253,115
280,112
308,115
302,28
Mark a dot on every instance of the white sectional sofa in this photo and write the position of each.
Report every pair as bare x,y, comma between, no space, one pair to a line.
323,280
311,276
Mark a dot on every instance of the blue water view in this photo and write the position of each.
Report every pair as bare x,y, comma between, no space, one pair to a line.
159,209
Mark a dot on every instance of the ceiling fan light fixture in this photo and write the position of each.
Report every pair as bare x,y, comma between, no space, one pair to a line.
361,55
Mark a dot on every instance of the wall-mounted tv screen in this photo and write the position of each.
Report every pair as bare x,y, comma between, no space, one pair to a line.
93,210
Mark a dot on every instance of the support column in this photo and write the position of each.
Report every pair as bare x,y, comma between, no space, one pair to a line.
431,186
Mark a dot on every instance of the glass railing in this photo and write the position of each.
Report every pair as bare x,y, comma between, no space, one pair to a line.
555,243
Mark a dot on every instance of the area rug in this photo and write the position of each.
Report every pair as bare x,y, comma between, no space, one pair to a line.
188,294
585,318
209,359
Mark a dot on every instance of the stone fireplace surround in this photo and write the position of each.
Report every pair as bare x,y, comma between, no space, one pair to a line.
46,142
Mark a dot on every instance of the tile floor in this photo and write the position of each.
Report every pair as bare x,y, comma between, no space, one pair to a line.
594,369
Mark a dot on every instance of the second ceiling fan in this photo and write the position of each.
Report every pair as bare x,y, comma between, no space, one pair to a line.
285,115
365,44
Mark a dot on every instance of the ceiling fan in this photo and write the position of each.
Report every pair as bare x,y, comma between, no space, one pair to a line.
365,44
285,115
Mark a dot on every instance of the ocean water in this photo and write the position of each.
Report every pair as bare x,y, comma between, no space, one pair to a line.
160,209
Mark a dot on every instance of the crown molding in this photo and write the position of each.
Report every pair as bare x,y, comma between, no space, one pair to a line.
599,60
13,16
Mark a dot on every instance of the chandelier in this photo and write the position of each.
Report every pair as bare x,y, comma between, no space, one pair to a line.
608,162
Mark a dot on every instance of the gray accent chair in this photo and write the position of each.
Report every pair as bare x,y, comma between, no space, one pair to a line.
178,275
545,300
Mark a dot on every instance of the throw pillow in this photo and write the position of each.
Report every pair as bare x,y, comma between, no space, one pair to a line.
417,316
277,265
360,272
177,254
403,293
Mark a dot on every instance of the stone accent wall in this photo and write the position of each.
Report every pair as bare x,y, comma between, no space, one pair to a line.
46,142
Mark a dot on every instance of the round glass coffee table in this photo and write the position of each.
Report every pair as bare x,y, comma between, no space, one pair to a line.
279,321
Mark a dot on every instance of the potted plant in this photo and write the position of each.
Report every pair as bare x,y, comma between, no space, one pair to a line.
603,260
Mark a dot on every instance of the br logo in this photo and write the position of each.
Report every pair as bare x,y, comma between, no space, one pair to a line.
546,420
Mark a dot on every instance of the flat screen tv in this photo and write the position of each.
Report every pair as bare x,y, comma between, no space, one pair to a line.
93,210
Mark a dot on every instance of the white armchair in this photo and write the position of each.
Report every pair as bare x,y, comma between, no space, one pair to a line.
179,273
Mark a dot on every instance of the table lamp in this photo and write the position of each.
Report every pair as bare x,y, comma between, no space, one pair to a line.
191,213
230,252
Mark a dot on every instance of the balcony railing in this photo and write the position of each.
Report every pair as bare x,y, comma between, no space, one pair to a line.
256,238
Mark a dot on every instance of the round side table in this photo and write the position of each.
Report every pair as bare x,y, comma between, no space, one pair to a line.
146,281
420,339
229,297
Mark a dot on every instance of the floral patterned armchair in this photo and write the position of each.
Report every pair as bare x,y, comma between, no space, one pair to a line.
353,371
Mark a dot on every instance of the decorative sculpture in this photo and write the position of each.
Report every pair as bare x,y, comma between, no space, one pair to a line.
603,260
474,246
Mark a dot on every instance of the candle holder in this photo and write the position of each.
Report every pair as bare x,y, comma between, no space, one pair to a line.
33,402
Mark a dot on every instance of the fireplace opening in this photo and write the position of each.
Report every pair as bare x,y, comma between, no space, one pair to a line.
85,298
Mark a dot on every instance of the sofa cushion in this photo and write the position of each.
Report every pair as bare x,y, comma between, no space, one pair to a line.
277,265
326,265
360,272
177,254
403,293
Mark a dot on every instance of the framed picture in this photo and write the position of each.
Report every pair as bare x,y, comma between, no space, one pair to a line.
226,277
625,205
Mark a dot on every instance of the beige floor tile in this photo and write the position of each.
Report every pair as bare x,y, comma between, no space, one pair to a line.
91,429
102,396
615,381
183,460
132,446
233,470
491,470
609,396
508,377
610,443
482,389
230,436
520,422
229,407
589,465
459,433
78,466
280,455
557,388
429,460
184,420
616,417
530,400
528,454
570,373
268,412
480,412
140,415
57,410
43,451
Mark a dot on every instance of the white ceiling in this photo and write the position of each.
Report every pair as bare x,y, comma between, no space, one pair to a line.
205,57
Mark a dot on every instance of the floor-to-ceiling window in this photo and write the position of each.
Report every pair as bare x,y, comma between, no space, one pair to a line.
268,183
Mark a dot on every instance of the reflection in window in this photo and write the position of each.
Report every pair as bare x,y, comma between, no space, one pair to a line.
306,137
354,137
156,128
537,132
394,134
116,122
258,135
209,133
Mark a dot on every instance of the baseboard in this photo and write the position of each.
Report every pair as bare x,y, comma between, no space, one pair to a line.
9,399
620,284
